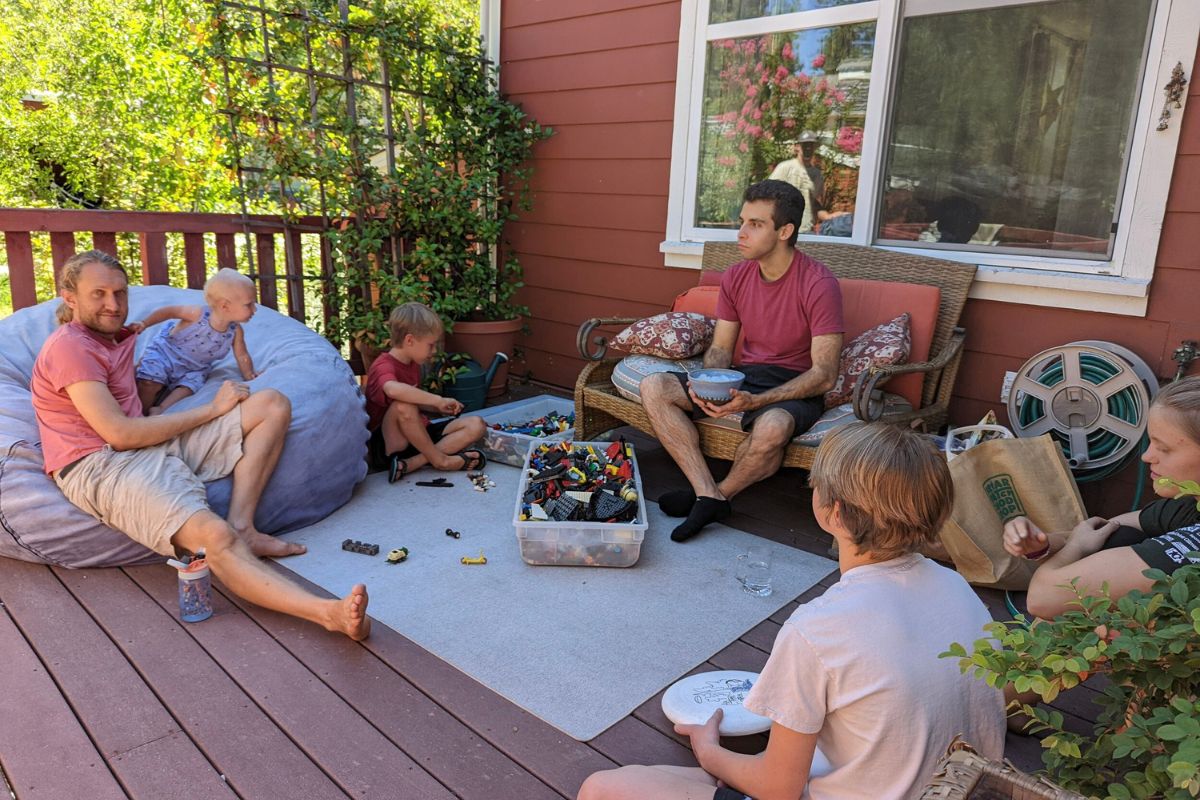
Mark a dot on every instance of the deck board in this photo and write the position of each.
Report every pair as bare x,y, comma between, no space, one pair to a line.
44,749
345,746
257,759
123,717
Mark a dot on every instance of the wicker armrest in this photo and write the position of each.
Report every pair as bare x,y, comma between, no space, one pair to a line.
867,401
601,342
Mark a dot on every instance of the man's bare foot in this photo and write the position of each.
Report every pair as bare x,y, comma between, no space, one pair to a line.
349,615
265,546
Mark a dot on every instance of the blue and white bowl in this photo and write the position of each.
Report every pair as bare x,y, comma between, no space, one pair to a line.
714,385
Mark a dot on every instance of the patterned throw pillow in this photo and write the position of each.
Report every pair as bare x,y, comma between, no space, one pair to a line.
675,334
888,343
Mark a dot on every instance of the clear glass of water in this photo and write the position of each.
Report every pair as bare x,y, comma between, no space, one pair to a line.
754,570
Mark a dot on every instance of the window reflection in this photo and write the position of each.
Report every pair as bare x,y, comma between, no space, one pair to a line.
790,106
1012,125
729,10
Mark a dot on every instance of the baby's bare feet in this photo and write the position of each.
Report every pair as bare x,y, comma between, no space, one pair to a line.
349,615
265,546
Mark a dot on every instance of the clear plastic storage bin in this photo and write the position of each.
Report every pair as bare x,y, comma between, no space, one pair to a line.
581,544
504,447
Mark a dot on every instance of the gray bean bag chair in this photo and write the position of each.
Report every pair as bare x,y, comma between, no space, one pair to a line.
323,458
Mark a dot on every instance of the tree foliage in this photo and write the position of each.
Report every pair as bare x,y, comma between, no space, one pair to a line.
128,117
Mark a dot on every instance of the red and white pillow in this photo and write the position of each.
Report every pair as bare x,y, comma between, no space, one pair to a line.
885,344
674,334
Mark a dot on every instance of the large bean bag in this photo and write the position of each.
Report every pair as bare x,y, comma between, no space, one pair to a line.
323,457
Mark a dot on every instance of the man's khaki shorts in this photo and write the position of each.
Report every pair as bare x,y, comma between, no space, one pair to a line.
148,494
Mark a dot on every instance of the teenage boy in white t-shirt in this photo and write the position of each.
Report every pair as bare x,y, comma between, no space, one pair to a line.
855,672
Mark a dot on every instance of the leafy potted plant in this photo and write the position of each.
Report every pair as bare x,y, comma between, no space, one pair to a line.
416,192
1146,742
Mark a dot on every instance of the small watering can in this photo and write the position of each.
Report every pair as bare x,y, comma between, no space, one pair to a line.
471,385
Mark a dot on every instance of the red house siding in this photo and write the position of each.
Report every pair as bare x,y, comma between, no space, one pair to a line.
602,74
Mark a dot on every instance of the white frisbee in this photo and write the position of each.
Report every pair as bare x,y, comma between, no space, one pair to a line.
692,700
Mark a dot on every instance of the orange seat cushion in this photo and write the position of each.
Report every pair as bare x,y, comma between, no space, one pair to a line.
865,304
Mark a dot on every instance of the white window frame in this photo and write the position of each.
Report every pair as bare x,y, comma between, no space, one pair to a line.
1117,285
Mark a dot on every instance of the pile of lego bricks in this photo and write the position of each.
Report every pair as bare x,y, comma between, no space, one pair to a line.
548,425
568,482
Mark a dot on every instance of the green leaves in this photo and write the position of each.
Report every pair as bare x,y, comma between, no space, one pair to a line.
1147,740
428,229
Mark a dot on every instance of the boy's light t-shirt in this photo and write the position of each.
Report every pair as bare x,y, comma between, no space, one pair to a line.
860,666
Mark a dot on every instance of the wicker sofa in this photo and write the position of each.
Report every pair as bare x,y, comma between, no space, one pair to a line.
598,406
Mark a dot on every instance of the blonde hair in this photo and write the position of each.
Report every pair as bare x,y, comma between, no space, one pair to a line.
221,281
413,318
1183,397
68,279
892,485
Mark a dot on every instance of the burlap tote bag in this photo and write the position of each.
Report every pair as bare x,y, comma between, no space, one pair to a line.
994,482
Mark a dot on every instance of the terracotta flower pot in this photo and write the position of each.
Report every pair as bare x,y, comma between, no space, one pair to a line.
482,340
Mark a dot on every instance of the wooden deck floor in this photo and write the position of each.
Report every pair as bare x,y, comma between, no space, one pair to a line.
105,694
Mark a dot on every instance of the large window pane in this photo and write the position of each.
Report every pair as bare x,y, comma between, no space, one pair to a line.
729,10
1010,127
791,105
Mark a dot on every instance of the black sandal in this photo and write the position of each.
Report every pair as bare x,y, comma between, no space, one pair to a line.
472,455
397,468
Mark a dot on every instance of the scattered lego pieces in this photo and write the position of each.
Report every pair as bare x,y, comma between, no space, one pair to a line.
480,559
397,555
453,533
355,546
481,481
437,483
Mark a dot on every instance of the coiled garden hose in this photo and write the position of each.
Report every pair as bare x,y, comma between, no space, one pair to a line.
1102,444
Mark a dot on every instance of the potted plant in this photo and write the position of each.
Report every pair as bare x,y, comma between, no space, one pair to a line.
442,371
422,222
1146,742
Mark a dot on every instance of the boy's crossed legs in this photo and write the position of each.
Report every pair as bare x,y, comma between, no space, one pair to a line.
404,431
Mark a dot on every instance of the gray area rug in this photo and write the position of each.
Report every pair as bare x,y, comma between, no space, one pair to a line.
579,647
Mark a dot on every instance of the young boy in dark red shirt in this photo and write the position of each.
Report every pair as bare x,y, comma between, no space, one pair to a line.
400,430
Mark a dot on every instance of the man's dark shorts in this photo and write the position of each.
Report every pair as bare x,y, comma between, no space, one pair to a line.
1167,552
760,378
377,455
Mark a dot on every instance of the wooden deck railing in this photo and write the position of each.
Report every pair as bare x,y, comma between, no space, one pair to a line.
152,229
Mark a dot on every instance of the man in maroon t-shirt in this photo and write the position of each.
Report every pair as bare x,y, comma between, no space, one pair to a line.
788,307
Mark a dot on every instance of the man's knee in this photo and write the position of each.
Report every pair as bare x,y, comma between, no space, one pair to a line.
661,387
773,430
273,403
208,532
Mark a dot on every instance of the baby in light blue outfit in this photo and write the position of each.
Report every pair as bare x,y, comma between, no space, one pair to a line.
178,360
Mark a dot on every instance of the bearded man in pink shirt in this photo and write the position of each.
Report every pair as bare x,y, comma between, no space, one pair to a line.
788,307
144,476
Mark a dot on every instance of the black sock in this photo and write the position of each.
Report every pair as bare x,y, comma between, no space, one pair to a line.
706,510
677,503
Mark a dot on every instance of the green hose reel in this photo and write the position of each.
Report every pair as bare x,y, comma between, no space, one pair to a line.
1091,397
